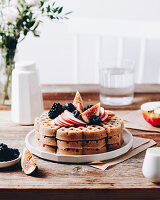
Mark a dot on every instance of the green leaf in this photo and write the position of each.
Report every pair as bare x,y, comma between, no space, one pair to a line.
19,23
51,17
36,26
30,15
42,10
41,3
30,24
25,32
66,17
36,34
60,10
68,13
55,10
48,8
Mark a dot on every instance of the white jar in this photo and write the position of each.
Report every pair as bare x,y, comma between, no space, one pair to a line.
151,164
26,94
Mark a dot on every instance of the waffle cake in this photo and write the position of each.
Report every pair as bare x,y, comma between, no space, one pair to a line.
63,135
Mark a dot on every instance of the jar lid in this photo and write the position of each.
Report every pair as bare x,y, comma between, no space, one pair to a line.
25,65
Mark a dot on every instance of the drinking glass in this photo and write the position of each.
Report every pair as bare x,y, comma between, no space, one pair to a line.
116,82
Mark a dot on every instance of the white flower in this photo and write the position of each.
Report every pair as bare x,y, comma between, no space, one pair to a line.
10,14
32,2
13,2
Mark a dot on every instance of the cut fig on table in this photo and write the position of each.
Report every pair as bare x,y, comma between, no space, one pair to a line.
93,111
28,163
151,112
78,102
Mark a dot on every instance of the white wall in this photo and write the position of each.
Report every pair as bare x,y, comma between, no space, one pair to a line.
54,51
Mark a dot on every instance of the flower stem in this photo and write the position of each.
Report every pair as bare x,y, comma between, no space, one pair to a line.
8,62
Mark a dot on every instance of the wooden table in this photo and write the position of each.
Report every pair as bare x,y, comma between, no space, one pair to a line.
68,181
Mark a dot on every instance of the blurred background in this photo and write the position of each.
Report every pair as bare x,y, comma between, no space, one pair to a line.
69,51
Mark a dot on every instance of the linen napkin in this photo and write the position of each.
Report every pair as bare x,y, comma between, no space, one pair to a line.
139,145
135,120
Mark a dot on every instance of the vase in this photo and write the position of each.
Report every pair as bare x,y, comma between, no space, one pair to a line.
7,65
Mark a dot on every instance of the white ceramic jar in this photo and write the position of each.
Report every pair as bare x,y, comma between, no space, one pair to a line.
26,94
151,164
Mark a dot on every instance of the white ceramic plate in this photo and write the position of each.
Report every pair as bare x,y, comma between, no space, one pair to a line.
30,144
10,163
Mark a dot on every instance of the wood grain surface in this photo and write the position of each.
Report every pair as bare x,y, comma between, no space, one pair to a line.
90,93
75,181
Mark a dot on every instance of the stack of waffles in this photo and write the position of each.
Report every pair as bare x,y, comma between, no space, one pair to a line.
45,133
79,140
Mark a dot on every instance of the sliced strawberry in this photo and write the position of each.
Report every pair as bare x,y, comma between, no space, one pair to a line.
105,118
69,117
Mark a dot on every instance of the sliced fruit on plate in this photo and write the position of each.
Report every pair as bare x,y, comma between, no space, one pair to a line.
54,122
28,163
69,118
93,111
105,118
63,122
78,102
151,112
102,112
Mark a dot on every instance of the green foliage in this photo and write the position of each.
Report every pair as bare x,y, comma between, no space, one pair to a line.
28,20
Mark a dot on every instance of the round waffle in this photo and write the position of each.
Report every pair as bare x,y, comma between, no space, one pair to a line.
79,140
44,126
37,135
112,147
45,147
48,140
70,151
81,144
90,132
114,127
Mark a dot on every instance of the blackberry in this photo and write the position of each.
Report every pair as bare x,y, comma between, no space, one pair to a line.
55,110
96,120
69,106
89,106
3,146
7,154
76,113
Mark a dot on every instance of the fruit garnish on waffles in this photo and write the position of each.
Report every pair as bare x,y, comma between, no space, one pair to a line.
75,114
72,129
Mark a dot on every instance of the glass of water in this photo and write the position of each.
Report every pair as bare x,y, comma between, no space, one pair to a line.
116,82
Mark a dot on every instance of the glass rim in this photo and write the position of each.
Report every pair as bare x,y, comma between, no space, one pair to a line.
118,64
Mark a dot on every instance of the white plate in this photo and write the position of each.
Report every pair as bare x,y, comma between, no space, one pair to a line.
30,144
10,163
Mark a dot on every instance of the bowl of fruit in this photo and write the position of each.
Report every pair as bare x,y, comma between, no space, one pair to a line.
151,112
8,156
